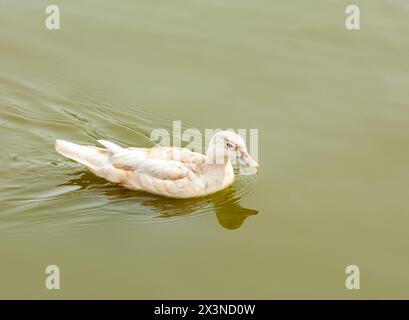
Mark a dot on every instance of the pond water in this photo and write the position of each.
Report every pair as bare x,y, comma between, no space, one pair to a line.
330,106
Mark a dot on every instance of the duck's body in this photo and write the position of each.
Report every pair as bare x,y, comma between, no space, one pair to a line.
167,171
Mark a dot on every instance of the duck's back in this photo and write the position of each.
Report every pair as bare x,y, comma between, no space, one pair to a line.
168,171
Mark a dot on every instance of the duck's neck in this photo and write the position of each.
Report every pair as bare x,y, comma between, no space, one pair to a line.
216,155
218,168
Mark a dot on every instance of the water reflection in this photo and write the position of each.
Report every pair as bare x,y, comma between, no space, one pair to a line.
225,204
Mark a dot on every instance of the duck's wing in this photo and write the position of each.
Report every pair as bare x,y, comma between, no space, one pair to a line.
161,163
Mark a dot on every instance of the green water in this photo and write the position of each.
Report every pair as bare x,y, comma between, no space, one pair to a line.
331,107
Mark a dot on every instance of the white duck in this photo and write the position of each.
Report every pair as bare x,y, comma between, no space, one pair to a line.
167,171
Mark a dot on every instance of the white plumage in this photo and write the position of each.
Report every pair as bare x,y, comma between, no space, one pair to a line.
167,171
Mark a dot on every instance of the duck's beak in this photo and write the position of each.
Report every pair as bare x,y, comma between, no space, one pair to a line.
245,157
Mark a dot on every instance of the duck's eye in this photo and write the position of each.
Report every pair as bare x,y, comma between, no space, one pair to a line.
229,145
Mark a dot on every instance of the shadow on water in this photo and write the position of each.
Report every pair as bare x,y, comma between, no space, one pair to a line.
224,204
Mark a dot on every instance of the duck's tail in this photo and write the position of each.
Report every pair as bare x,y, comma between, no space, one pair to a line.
92,157
98,160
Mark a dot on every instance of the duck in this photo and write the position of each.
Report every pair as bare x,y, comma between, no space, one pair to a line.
165,171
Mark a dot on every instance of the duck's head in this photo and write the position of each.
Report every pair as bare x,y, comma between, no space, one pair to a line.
227,144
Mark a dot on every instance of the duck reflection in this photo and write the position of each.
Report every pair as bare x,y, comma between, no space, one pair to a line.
225,204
